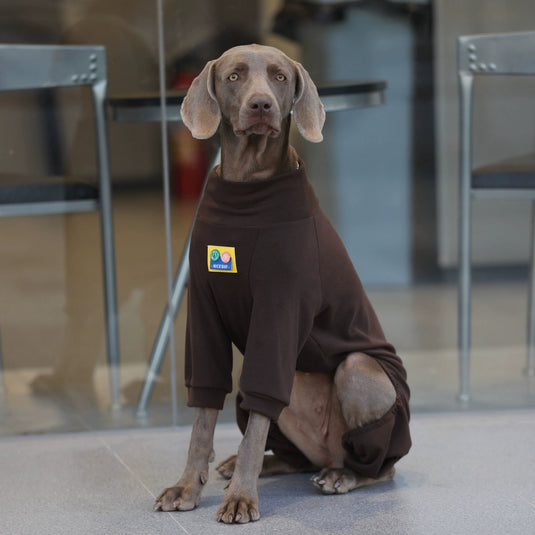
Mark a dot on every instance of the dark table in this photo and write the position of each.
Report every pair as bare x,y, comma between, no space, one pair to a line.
336,96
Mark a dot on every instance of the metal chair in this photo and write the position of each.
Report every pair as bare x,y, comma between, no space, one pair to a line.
48,66
487,55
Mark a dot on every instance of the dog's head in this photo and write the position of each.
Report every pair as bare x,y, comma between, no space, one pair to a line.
253,88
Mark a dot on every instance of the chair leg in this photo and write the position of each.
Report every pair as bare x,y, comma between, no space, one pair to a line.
1,367
466,85
465,305
162,338
108,248
530,368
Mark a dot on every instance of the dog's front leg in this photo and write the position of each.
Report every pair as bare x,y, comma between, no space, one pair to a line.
185,495
240,504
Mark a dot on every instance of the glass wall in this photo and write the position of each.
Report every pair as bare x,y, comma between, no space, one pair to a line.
385,174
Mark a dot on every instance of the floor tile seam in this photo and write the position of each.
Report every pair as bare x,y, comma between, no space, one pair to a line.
229,431
521,415
139,480
531,503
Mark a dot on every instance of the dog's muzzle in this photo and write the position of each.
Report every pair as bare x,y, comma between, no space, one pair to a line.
260,115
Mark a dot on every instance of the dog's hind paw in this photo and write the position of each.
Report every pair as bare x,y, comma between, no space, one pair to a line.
335,480
343,480
226,468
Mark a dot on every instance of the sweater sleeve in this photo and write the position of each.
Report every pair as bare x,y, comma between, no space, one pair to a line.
208,358
286,297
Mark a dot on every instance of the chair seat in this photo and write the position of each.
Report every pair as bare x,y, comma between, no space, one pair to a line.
512,173
20,189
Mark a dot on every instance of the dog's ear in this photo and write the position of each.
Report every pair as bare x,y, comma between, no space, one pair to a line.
199,110
309,115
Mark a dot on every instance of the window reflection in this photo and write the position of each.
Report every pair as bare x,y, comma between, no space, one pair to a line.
381,173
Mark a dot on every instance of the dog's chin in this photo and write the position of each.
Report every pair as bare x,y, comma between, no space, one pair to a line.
258,129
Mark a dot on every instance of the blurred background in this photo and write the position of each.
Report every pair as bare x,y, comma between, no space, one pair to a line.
387,176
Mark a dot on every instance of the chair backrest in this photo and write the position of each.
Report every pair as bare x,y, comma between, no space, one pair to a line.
43,66
37,67
498,53
482,55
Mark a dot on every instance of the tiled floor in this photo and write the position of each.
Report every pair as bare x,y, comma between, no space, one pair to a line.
466,474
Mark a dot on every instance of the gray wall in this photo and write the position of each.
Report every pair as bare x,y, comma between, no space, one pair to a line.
362,169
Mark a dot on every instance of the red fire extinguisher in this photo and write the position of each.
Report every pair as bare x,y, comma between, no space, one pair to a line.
189,158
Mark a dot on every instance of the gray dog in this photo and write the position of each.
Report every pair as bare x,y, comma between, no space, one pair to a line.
320,386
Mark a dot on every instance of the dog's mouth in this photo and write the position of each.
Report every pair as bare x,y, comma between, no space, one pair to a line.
260,128
259,124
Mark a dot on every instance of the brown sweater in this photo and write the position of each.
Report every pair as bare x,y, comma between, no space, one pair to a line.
270,274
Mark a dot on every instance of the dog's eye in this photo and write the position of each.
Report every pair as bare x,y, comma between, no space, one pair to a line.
280,77
233,77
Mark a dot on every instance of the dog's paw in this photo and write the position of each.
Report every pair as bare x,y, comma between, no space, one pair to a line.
335,480
237,509
178,498
343,480
226,468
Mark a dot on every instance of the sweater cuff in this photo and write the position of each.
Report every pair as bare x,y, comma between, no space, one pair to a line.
207,398
266,406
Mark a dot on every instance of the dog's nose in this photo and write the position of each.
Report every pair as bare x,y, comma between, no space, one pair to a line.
260,103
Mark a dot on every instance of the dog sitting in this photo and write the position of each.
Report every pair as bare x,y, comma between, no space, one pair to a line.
320,386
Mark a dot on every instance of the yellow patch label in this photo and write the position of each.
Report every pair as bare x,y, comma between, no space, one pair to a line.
222,259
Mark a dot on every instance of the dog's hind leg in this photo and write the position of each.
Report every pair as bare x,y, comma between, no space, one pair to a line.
364,390
366,394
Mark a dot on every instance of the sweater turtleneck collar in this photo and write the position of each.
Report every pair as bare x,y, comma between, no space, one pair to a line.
282,198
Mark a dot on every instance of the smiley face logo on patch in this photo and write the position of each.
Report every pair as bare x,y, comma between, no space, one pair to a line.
222,259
